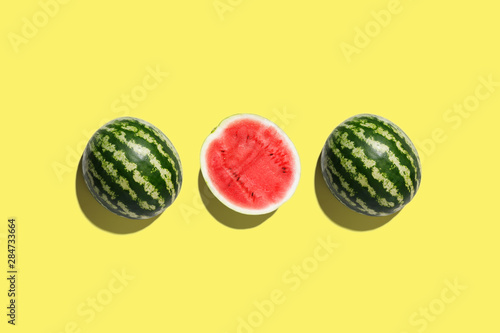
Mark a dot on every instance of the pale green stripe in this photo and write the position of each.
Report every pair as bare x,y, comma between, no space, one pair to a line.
390,137
358,176
120,180
126,211
381,149
165,175
152,140
365,207
143,151
343,182
104,186
349,201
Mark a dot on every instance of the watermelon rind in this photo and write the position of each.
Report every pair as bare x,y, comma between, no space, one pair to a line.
370,165
132,168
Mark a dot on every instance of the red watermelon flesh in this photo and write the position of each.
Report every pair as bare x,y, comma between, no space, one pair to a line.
251,164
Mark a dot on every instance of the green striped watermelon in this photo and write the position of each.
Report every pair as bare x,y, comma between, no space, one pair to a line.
132,168
370,165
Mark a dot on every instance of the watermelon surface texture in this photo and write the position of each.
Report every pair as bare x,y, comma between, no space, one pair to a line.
250,164
371,165
132,168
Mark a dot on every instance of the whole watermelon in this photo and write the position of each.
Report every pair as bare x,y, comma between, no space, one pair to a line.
132,168
370,165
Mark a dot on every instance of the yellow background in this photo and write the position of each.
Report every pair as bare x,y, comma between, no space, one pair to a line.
193,269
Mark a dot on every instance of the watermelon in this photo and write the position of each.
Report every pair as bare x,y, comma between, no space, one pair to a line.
132,168
250,164
370,165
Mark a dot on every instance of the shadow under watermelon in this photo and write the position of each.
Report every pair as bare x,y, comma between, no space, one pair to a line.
100,216
225,215
338,213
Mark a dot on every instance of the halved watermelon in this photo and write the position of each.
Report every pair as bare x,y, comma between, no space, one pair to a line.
250,164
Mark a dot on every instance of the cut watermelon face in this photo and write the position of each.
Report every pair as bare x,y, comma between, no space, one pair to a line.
250,164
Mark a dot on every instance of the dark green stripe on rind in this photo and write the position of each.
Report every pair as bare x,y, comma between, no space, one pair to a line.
380,163
406,144
408,157
169,149
412,151
172,161
138,186
370,165
147,170
121,195
359,192
165,142
382,160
